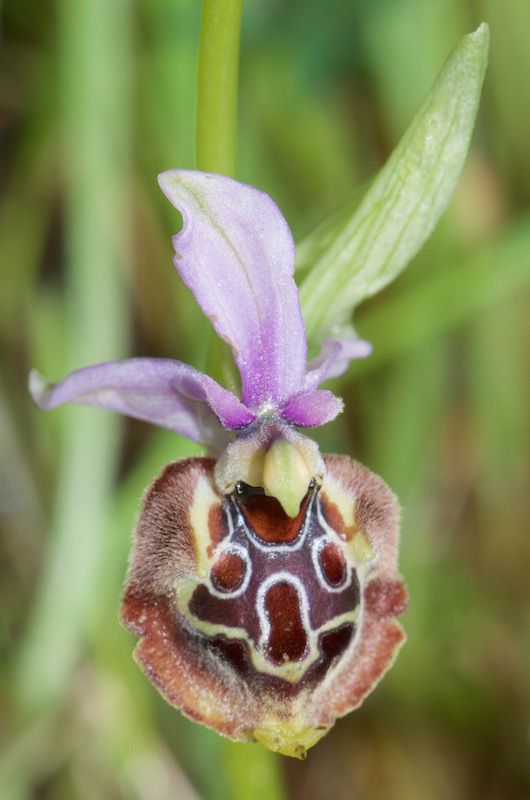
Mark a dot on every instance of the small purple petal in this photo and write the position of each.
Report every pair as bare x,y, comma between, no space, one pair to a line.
313,408
236,254
157,390
334,359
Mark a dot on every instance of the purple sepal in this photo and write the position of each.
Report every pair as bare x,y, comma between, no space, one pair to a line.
334,359
313,408
236,254
157,390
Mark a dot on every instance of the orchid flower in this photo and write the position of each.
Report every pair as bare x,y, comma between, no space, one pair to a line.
263,583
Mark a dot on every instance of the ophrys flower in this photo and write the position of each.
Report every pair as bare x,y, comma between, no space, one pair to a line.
263,582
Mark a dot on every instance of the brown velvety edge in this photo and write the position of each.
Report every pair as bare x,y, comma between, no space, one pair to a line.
163,544
189,677
375,650
380,636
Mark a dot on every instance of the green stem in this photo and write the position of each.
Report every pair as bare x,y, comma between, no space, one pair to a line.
253,771
217,86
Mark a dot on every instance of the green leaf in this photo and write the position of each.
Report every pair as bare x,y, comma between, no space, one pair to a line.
358,251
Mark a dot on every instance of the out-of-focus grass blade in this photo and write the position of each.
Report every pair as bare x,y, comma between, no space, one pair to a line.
500,399
401,411
358,255
449,297
23,757
304,173
510,98
24,219
94,43
418,48
166,84
404,411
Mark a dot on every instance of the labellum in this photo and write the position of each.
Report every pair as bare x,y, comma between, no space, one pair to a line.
263,584
263,626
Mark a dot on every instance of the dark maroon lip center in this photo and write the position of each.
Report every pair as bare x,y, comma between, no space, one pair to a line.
287,639
266,519
273,588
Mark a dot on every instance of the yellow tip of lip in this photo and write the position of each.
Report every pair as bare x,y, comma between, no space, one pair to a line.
288,739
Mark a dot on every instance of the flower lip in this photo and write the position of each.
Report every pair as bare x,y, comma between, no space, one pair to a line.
221,651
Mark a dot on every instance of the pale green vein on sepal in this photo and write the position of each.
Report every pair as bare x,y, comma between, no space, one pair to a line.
354,255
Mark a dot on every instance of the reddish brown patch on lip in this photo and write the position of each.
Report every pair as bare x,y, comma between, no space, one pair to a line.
333,564
332,514
287,637
386,598
228,572
216,527
269,521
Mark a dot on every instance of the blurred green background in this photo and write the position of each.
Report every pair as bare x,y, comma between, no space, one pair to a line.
96,97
